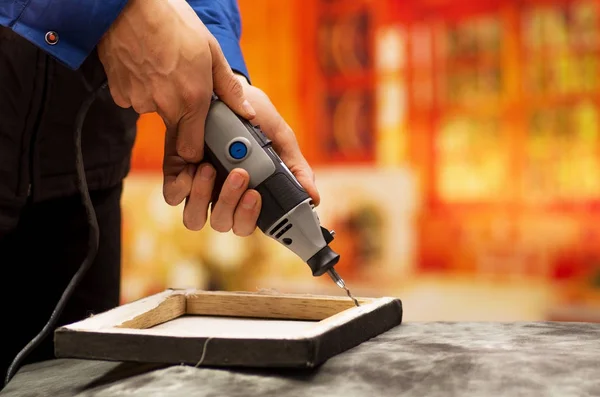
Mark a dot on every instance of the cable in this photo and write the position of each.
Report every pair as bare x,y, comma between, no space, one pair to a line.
203,352
93,240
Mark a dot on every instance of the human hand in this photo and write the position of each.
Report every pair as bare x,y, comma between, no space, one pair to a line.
237,207
159,57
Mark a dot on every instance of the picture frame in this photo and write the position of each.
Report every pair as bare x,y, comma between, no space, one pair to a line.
232,329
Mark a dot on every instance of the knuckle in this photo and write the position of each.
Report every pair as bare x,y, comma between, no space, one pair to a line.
188,152
121,101
229,199
240,231
201,191
234,86
117,97
161,101
139,104
244,228
144,107
192,96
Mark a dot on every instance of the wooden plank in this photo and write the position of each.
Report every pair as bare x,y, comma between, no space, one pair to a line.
260,305
266,341
170,308
125,313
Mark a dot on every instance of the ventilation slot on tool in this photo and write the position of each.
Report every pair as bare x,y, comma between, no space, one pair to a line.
285,229
283,222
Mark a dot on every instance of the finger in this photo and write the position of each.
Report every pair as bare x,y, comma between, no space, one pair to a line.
195,212
115,87
177,187
221,218
227,86
306,177
139,95
246,214
118,97
177,174
190,129
286,145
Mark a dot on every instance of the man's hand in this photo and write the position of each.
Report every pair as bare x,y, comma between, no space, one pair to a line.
238,207
159,57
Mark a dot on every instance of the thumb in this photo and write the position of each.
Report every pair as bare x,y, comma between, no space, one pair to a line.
227,86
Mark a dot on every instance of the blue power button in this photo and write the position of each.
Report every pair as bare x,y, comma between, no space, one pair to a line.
238,150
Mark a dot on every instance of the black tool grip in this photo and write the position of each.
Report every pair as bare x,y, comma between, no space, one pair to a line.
280,193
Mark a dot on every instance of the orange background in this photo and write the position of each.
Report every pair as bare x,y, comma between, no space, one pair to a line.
456,146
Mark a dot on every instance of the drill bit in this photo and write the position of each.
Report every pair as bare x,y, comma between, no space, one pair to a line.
338,280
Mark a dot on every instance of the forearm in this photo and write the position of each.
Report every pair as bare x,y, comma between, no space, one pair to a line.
78,24
222,18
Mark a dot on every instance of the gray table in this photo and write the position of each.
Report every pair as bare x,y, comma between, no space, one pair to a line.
414,359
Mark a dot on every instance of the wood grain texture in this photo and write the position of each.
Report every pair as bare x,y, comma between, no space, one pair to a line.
261,305
170,308
124,313
110,337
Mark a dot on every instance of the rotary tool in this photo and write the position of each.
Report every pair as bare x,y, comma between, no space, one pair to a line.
288,214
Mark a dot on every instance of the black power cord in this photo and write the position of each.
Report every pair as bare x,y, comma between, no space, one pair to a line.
93,240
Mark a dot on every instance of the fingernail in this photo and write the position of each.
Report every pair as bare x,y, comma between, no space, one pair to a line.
207,172
248,108
236,180
249,201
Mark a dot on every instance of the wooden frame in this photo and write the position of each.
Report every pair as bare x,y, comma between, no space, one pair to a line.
159,329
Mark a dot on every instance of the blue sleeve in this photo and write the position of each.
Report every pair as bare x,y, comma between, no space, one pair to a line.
78,24
222,18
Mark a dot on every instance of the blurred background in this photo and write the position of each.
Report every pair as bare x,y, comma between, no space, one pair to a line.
457,151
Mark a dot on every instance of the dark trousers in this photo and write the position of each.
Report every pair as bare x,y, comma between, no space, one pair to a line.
37,261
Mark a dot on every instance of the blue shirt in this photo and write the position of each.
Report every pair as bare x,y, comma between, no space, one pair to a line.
79,25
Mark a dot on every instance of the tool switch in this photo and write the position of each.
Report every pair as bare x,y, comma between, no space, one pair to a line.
238,149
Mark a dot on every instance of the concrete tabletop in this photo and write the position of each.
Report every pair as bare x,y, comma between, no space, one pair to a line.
413,359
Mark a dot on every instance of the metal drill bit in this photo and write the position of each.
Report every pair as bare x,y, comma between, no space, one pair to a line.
338,280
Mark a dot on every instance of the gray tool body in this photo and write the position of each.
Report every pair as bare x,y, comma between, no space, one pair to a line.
287,214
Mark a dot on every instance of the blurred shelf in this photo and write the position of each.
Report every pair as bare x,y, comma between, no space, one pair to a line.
520,226
554,99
